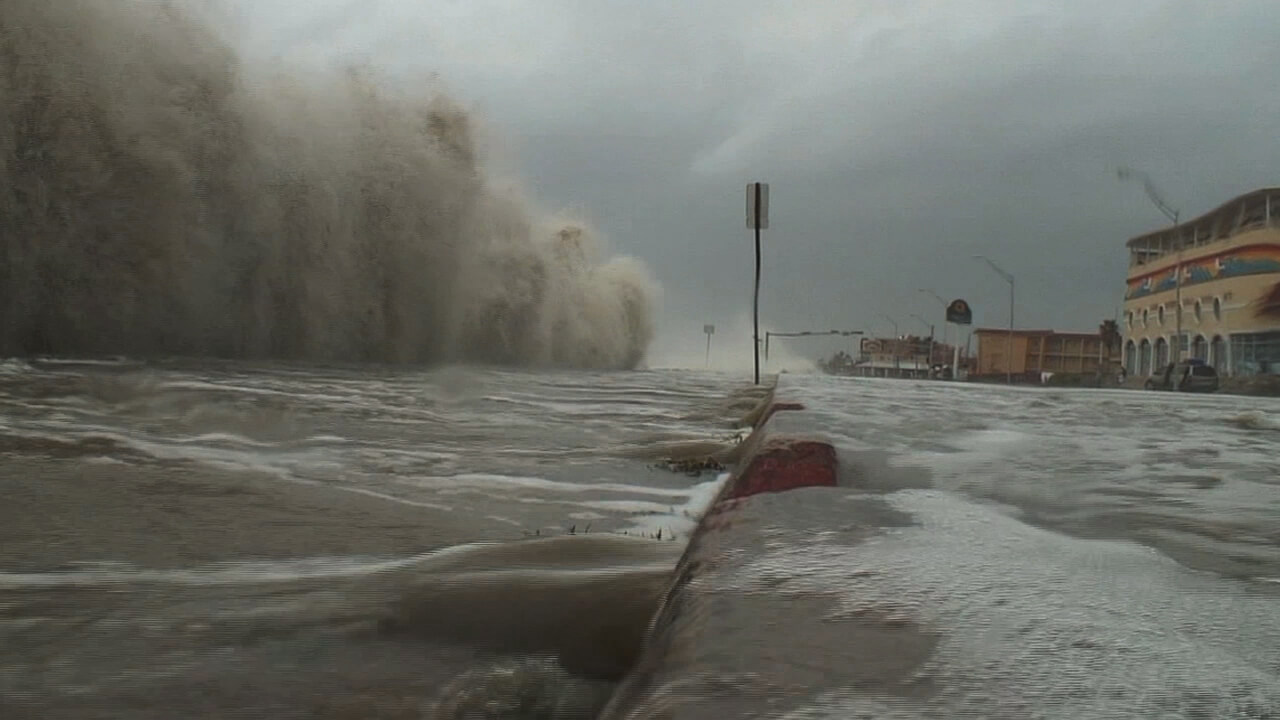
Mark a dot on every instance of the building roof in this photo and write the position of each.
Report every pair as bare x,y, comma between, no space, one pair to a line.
1259,193
1005,331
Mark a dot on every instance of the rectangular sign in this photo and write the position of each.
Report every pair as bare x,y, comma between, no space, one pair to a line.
757,217
709,329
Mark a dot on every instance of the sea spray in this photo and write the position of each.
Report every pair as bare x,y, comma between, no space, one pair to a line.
164,198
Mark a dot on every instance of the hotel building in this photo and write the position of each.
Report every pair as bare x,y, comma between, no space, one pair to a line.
1228,261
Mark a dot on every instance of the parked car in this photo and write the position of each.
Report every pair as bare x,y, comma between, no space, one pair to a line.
1186,376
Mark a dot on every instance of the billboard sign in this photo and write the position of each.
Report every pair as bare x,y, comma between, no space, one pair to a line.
960,313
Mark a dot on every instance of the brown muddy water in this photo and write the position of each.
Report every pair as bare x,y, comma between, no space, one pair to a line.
197,540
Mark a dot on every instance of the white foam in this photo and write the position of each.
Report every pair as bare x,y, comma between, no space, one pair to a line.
1033,623
488,480
680,521
231,573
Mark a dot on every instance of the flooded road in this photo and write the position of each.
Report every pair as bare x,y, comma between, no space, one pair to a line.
281,541
302,542
1030,552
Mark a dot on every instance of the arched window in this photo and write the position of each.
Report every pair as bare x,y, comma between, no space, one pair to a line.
1144,357
1131,357
1129,319
1162,353
1145,311
1217,309
1160,315
1198,310
1219,354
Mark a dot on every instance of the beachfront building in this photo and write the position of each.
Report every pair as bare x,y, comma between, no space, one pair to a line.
1038,351
904,357
1229,263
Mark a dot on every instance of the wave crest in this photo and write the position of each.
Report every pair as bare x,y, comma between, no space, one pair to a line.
167,201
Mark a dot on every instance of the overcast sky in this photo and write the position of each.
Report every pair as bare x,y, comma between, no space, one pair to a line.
899,137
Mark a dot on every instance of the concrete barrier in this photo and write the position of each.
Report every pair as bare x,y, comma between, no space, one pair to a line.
713,652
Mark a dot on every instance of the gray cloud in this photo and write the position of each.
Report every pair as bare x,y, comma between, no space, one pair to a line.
900,138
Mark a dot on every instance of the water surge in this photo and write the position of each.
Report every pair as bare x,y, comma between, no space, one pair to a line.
163,198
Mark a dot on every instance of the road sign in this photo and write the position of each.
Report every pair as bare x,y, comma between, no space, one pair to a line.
960,313
709,329
758,206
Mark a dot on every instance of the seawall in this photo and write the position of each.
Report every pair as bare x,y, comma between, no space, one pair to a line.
715,648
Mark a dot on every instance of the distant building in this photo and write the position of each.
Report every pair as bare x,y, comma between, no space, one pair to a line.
1230,260
1039,351
907,357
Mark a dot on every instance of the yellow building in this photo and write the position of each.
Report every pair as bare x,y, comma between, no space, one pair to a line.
1228,264
1038,351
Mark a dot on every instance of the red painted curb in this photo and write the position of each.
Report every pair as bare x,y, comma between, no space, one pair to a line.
783,465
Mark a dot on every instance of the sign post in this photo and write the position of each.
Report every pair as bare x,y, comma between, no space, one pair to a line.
709,330
757,219
959,313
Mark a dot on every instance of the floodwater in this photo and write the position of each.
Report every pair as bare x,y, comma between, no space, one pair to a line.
198,540
1037,553
270,541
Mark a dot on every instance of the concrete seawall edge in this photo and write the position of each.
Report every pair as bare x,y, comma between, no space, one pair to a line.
771,462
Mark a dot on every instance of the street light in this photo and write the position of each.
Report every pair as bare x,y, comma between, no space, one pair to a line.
1009,279
1153,194
929,325
944,305
894,323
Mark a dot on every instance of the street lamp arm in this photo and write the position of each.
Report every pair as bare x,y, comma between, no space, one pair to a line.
935,295
1153,193
999,270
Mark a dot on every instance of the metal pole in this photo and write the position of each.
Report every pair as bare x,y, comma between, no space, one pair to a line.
1177,289
1157,199
943,303
894,323
755,309
929,369
1009,369
929,363
1008,378
708,350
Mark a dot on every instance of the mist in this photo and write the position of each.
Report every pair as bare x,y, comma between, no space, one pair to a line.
163,197
731,350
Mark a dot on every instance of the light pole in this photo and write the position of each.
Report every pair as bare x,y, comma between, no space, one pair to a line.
894,323
1008,376
944,305
929,362
1172,213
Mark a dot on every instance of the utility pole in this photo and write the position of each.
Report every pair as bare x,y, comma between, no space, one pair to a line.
944,304
709,330
894,323
1009,279
926,323
1153,194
